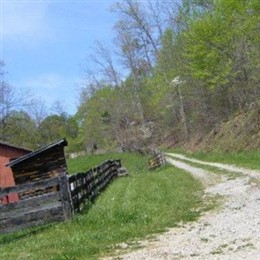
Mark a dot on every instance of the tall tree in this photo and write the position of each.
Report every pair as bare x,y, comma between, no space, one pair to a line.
137,20
220,47
21,130
103,58
10,100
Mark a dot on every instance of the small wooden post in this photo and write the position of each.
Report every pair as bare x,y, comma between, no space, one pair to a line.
65,196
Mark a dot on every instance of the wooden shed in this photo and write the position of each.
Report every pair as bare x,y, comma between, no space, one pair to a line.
7,153
44,163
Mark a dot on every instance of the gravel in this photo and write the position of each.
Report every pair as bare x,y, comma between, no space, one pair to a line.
230,231
230,168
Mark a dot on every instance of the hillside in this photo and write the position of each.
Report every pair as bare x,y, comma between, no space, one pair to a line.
242,133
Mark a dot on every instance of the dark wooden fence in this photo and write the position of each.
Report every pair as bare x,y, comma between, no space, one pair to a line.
59,197
86,186
157,160
46,208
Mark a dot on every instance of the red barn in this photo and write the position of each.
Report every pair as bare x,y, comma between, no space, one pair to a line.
8,152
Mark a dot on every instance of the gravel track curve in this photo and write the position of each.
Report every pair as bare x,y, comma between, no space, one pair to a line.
232,231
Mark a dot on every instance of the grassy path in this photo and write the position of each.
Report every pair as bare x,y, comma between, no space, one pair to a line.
249,160
227,167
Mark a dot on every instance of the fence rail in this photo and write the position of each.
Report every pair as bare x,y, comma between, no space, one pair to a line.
86,186
61,196
50,207
157,160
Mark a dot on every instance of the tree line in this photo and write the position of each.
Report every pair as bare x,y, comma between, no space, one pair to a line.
177,69
189,65
26,122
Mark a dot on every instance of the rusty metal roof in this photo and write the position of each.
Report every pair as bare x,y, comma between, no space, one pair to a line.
62,142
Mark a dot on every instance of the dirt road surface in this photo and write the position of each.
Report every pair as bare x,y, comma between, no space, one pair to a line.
230,231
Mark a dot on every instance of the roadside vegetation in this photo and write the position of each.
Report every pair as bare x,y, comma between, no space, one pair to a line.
131,208
241,159
212,169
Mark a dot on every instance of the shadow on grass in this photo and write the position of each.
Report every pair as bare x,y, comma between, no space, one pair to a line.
28,232
18,235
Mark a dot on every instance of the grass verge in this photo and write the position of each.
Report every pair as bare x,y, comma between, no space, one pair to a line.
247,159
212,169
129,209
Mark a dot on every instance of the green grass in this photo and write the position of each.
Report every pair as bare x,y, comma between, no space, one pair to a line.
212,169
134,162
249,160
129,209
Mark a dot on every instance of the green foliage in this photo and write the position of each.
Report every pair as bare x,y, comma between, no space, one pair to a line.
167,56
211,45
21,130
55,127
124,212
95,117
215,41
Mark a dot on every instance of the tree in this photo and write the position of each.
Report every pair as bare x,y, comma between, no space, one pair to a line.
103,58
212,46
55,127
137,21
10,100
21,130
220,49
95,116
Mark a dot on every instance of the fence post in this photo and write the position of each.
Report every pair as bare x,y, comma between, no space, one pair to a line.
65,196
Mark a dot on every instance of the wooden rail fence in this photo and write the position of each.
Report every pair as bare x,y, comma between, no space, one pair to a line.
157,160
61,196
49,207
86,186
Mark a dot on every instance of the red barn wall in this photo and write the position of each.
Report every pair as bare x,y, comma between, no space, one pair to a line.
6,175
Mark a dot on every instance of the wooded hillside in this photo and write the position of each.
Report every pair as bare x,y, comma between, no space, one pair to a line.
190,66
178,70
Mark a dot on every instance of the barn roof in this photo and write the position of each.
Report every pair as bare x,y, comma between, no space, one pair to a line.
15,146
63,142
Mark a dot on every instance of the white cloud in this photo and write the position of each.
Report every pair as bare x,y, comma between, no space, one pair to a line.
25,20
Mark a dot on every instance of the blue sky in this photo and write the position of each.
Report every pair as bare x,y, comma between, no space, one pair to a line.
46,44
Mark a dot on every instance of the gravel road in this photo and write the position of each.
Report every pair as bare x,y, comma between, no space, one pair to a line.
231,231
230,168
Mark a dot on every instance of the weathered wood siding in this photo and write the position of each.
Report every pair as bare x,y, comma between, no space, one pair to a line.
37,210
48,164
